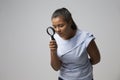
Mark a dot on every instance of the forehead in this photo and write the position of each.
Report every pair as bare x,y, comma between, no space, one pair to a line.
58,19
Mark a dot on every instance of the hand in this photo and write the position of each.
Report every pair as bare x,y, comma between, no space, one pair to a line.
53,46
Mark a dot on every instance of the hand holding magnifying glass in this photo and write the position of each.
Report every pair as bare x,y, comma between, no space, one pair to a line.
52,44
51,32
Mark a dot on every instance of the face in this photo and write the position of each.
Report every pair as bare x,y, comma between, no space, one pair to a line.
62,28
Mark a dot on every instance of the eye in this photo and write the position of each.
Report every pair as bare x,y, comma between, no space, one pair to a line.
54,26
60,25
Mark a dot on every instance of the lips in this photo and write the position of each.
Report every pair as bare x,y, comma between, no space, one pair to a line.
60,34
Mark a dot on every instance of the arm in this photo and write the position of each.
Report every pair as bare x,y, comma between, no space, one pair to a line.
93,53
55,62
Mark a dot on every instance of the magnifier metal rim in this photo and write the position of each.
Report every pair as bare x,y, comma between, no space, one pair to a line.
52,30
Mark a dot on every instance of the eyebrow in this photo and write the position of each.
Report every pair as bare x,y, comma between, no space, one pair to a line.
59,25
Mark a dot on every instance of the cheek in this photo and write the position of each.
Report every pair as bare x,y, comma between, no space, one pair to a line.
65,30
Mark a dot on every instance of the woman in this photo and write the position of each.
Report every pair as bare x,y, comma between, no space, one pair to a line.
73,52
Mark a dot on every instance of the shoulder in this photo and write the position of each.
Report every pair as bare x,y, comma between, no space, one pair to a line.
84,34
86,37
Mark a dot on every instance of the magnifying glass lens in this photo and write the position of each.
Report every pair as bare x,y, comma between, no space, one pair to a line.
51,32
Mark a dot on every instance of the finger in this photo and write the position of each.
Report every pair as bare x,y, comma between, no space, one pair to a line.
52,41
52,45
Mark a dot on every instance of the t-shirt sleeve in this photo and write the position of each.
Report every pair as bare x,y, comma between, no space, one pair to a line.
89,38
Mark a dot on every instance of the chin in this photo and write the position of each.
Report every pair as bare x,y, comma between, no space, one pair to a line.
62,36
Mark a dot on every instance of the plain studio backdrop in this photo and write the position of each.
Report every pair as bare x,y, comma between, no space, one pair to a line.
24,51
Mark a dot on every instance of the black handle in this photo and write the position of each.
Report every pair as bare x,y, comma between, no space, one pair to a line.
52,37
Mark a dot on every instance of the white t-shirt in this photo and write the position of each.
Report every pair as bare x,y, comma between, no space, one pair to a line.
74,56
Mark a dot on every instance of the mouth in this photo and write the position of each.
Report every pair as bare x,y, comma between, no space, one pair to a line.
60,34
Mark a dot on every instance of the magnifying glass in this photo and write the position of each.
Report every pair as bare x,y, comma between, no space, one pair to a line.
51,32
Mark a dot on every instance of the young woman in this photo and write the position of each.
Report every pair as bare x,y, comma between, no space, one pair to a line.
73,52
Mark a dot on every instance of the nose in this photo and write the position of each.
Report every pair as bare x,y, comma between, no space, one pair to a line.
57,29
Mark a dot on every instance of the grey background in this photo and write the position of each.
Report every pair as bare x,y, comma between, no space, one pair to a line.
24,51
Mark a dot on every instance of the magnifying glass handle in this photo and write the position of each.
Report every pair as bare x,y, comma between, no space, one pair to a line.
52,38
